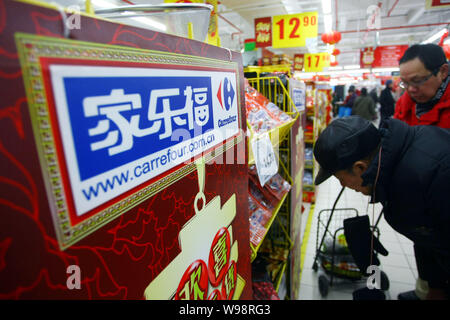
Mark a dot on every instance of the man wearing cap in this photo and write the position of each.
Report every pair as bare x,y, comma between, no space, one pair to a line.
424,73
387,101
405,168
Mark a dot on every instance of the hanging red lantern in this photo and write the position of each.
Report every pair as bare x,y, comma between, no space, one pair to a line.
336,52
337,36
331,37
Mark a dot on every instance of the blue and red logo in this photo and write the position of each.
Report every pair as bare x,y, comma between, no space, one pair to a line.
226,94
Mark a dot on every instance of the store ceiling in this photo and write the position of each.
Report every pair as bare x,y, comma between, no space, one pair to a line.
401,22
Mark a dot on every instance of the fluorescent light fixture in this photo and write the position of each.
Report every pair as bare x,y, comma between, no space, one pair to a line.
435,36
385,69
150,22
352,66
326,6
327,21
103,4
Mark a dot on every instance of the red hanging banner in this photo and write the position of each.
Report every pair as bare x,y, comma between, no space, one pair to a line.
382,57
263,32
299,61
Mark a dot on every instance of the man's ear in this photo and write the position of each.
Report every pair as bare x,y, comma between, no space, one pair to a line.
359,167
444,71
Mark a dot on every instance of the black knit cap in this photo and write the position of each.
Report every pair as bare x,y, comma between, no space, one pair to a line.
345,141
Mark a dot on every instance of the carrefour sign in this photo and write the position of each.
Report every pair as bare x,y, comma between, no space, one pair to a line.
122,126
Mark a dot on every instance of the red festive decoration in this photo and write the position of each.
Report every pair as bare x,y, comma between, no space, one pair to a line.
446,48
333,64
336,52
331,37
445,35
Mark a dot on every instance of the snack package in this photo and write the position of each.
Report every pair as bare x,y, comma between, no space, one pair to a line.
261,216
278,186
259,196
278,113
257,233
262,114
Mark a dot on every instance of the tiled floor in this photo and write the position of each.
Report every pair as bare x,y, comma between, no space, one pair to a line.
399,265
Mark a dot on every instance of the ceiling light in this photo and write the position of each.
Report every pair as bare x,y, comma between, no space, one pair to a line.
326,6
327,21
435,36
352,66
103,4
150,22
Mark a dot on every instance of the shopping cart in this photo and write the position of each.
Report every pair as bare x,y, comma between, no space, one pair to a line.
332,251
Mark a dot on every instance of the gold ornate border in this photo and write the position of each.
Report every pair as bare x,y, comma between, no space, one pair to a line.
31,48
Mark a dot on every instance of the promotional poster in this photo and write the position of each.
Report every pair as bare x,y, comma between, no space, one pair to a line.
115,142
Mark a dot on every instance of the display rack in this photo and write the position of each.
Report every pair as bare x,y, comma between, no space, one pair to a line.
277,241
318,108
285,68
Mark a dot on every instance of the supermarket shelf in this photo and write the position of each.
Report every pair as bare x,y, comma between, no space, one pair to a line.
280,276
277,135
267,226
269,69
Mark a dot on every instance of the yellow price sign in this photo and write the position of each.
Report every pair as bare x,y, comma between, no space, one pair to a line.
315,62
292,30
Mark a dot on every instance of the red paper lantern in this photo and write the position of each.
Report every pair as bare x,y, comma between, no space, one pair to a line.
331,37
336,52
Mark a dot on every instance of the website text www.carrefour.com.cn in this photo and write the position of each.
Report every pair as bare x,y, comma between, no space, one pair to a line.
168,159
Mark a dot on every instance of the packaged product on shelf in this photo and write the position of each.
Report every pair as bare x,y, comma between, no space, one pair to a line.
262,114
257,212
257,232
307,178
278,186
261,216
259,196
308,155
274,190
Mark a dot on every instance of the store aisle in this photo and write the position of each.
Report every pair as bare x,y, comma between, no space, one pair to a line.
399,265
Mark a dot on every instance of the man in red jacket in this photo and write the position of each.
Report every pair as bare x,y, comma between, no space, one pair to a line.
424,73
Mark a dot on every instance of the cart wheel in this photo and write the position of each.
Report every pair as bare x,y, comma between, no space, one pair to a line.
323,285
384,281
315,267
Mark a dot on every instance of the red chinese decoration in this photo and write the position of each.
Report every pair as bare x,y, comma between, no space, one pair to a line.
194,283
331,37
336,52
229,283
333,63
215,295
219,255
446,48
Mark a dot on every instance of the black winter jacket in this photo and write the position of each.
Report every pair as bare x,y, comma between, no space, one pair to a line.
414,188
387,103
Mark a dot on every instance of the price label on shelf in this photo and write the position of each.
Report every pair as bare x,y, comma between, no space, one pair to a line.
292,30
265,159
315,62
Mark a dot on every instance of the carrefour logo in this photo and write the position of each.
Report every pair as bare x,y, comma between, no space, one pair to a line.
226,94
121,127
